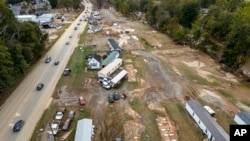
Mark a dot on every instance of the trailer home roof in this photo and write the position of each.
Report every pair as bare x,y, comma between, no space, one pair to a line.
216,130
119,76
110,66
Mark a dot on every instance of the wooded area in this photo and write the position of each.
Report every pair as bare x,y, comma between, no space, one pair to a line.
220,28
21,45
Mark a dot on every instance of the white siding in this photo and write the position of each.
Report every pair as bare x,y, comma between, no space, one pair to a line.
118,77
238,120
110,68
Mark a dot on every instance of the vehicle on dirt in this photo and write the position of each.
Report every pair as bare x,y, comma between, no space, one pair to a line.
54,126
72,115
47,59
116,96
18,125
111,98
56,62
66,124
66,71
40,86
59,115
82,100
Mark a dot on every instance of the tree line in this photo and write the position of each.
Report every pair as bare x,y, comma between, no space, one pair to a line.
21,45
220,28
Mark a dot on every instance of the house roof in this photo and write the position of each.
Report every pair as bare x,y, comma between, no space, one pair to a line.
245,116
84,130
97,57
111,57
216,130
114,45
110,66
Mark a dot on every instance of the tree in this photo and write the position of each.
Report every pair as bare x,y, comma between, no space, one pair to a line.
189,12
53,3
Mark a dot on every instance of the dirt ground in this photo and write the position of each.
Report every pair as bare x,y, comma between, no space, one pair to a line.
164,79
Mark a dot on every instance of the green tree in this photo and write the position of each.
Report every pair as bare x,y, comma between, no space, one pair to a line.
53,3
189,13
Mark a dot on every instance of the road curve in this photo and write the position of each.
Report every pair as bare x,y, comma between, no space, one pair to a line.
26,102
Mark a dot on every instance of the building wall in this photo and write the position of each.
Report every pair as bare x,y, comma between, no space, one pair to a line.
110,68
199,122
93,61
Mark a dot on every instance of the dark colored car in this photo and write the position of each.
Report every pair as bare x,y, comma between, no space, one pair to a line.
116,96
111,98
72,115
66,124
75,28
66,71
40,86
56,62
47,59
18,125
82,100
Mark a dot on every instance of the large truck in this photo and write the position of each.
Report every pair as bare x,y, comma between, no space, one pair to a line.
109,83
109,69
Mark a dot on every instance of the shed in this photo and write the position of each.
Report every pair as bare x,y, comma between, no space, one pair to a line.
84,130
111,57
113,45
242,118
207,124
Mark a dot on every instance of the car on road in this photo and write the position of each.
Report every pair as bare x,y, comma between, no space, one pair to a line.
78,24
18,125
75,28
72,115
82,100
67,43
111,98
40,86
66,71
56,62
47,59
70,36
116,96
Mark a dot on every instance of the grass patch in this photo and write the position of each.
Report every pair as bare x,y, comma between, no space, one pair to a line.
83,36
78,65
145,43
227,95
183,121
192,76
148,120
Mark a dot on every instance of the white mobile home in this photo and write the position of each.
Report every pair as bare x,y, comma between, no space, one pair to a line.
116,80
207,124
110,68
84,130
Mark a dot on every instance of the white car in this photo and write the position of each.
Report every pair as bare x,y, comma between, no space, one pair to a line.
59,115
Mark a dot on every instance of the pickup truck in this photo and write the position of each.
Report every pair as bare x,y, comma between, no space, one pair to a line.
53,129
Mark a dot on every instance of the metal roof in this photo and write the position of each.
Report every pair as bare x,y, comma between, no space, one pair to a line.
214,128
84,130
113,44
110,66
245,116
111,57
119,76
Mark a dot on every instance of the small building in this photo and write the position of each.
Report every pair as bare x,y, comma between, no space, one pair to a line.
111,57
109,69
94,61
113,45
242,118
84,130
207,124
116,80
27,18
46,18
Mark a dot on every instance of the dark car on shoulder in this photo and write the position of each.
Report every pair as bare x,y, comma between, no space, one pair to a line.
116,96
40,86
66,71
111,98
18,125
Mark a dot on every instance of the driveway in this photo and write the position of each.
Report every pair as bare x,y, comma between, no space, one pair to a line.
26,102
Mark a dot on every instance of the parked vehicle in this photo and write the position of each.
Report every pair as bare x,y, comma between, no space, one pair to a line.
66,71
72,115
54,126
40,86
59,115
47,59
116,96
18,125
66,124
82,100
118,139
111,98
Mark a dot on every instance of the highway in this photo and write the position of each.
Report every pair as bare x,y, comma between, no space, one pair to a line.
26,102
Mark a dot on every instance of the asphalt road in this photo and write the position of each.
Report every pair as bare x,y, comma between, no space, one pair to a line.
26,102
